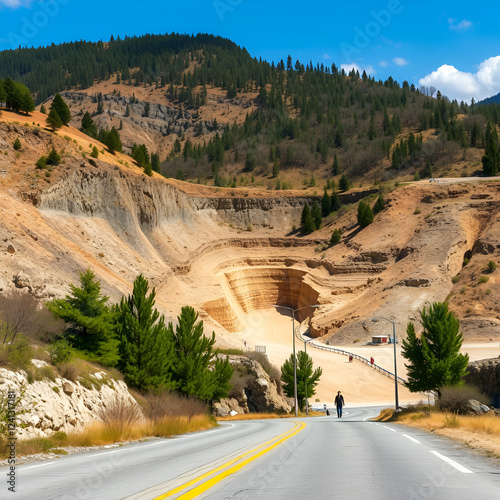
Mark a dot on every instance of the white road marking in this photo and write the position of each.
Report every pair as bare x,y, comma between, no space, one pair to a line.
390,428
411,438
35,466
457,466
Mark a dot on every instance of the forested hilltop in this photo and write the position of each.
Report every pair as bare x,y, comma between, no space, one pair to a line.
302,124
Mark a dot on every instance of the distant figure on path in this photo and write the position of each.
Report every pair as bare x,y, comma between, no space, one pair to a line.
350,358
339,403
372,360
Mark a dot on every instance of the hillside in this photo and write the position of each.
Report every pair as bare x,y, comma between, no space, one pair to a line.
108,215
217,116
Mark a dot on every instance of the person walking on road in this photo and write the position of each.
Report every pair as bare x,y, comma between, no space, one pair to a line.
339,403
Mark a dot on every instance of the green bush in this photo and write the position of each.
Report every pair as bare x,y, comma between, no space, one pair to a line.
492,265
484,279
455,279
17,144
60,352
336,237
455,398
42,162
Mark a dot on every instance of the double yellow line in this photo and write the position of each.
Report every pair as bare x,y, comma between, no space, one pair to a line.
230,467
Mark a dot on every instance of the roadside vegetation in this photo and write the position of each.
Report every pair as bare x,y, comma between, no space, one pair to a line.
175,373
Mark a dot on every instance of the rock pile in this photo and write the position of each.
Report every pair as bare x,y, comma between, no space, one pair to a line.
255,391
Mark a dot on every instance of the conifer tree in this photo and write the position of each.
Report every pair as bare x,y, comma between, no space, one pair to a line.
59,105
365,214
146,350
344,183
316,214
276,168
336,237
54,120
307,378
379,205
90,318
194,357
335,202
305,211
335,166
491,157
325,204
434,359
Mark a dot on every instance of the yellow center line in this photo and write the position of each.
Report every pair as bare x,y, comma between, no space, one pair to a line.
267,446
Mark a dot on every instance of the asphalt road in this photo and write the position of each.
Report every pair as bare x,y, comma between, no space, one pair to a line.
326,457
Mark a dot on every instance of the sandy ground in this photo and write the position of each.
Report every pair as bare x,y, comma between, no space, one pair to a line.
359,383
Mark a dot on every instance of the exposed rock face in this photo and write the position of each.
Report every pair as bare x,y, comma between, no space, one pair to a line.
485,374
256,393
44,407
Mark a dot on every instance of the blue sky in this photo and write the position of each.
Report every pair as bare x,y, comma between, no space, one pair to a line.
447,44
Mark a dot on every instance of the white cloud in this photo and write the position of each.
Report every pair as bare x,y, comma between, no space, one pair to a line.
348,67
384,64
15,4
463,85
462,25
327,56
400,61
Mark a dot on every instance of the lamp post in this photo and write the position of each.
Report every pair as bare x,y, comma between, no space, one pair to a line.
296,401
305,352
395,358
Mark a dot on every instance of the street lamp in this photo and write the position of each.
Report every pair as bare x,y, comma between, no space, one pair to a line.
395,359
294,358
305,352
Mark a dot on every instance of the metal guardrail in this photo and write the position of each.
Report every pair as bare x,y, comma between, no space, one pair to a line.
376,367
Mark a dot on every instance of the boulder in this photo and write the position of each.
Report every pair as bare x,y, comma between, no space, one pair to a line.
254,390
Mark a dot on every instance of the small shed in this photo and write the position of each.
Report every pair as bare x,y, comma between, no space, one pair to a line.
380,339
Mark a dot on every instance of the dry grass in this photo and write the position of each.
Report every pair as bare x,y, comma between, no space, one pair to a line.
122,422
481,432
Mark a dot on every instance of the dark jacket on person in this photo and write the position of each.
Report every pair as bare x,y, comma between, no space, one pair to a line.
339,400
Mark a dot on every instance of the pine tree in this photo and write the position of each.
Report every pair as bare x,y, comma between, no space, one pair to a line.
59,105
127,112
146,350
365,214
335,202
491,157
372,131
276,168
325,204
379,205
94,153
336,237
26,102
155,162
88,126
53,157
91,320
17,144
305,211
316,214
194,355
112,141
434,359
335,166
344,183
54,120
307,379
